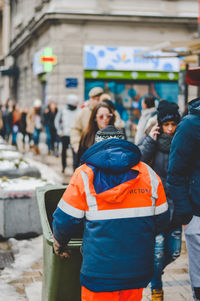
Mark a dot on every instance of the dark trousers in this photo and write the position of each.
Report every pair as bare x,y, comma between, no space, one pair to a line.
65,140
52,139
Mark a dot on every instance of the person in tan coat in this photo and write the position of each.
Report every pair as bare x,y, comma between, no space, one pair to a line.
34,124
82,118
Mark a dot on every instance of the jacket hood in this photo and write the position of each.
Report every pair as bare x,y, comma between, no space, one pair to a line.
149,111
194,106
112,155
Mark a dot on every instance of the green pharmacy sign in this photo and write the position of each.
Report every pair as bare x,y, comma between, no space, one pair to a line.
48,59
131,75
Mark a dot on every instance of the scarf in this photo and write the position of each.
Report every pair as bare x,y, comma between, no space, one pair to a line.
164,143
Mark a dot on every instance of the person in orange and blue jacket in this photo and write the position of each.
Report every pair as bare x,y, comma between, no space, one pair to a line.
122,203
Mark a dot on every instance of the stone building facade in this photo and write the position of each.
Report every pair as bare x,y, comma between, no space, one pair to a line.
1,20
65,27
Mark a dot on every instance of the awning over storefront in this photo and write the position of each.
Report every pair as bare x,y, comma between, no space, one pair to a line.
131,75
9,71
193,76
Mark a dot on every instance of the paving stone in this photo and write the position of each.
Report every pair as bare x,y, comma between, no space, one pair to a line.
6,258
32,274
20,289
37,265
23,280
36,279
4,246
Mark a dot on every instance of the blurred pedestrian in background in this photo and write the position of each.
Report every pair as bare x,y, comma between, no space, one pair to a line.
184,187
82,118
155,148
112,194
34,123
1,122
101,116
16,116
148,111
119,123
7,110
63,123
50,128
23,126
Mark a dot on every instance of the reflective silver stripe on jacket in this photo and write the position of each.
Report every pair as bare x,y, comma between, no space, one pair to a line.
91,200
154,184
126,212
65,207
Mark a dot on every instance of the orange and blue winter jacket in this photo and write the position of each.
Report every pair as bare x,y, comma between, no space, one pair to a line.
123,206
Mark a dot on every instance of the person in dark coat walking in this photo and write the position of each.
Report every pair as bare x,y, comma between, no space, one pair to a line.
155,149
63,123
184,186
24,113
7,116
51,132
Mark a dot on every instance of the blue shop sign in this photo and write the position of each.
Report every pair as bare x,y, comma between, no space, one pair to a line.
71,82
122,58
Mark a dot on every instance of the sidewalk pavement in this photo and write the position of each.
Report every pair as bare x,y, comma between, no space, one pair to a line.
175,279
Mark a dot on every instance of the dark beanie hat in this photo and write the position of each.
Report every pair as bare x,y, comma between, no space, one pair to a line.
109,132
168,111
110,103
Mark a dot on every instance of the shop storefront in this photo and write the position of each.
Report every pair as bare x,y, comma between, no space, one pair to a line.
128,77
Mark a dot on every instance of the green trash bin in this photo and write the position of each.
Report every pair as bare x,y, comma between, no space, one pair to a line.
60,276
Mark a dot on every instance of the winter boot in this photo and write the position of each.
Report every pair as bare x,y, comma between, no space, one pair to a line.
37,150
157,295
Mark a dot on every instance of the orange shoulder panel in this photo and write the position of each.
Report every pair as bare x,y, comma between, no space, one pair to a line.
134,193
74,195
160,189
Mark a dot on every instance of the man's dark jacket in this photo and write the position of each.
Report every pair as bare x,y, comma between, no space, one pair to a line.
183,179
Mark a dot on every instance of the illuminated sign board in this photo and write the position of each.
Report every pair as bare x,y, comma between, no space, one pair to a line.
44,60
123,58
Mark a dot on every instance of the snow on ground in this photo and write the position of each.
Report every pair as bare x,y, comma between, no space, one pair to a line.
26,252
47,173
8,293
21,184
7,147
9,155
13,164
34,291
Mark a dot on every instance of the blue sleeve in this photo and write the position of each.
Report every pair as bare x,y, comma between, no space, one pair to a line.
180,163
65,226
162,221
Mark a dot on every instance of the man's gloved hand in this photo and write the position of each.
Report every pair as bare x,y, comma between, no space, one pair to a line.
60,250
180,219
